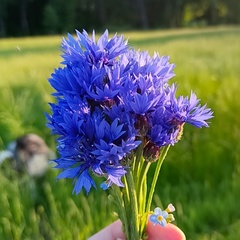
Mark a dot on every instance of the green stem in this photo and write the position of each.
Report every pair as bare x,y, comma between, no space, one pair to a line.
140,190
143,220
155,177
120,200
133,202
137,161
143,173
133,208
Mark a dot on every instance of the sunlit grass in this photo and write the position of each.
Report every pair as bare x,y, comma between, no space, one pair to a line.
201,175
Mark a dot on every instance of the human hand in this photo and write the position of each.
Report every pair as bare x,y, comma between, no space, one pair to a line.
114,232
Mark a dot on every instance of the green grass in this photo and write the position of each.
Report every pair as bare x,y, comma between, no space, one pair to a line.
201,175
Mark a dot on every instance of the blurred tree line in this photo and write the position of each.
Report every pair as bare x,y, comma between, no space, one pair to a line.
37,17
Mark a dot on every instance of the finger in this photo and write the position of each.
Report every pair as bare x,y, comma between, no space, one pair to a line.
169,232
111,232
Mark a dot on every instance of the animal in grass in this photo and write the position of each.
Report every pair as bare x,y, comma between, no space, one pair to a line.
29,154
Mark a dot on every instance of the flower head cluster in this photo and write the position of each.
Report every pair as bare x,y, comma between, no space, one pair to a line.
162,217
109,100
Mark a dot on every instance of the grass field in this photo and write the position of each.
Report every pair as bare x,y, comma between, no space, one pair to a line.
201,175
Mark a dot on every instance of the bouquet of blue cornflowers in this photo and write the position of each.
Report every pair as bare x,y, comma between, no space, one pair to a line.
116,114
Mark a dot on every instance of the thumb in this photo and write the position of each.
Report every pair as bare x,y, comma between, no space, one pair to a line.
169,232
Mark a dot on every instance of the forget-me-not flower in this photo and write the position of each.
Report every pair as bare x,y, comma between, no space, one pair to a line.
162,217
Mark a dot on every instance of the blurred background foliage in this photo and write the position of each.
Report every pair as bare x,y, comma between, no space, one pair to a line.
201,174
33,17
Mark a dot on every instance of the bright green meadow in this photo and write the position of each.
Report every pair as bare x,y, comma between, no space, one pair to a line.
200,176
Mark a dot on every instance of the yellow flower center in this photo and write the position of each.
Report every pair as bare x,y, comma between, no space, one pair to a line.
160,218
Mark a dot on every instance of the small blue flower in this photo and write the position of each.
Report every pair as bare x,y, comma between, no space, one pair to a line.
159,217
104,185
162,217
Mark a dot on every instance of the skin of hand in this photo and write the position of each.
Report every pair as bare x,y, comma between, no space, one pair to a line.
114,232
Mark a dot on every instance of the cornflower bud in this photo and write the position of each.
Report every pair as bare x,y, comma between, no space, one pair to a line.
151,152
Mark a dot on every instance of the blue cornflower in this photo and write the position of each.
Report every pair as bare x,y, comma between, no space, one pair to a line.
88,143
97,53
110,99
142,103
162,217
183,109
169,117
158,66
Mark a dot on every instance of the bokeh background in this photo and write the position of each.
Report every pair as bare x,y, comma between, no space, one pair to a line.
34,17
201,174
